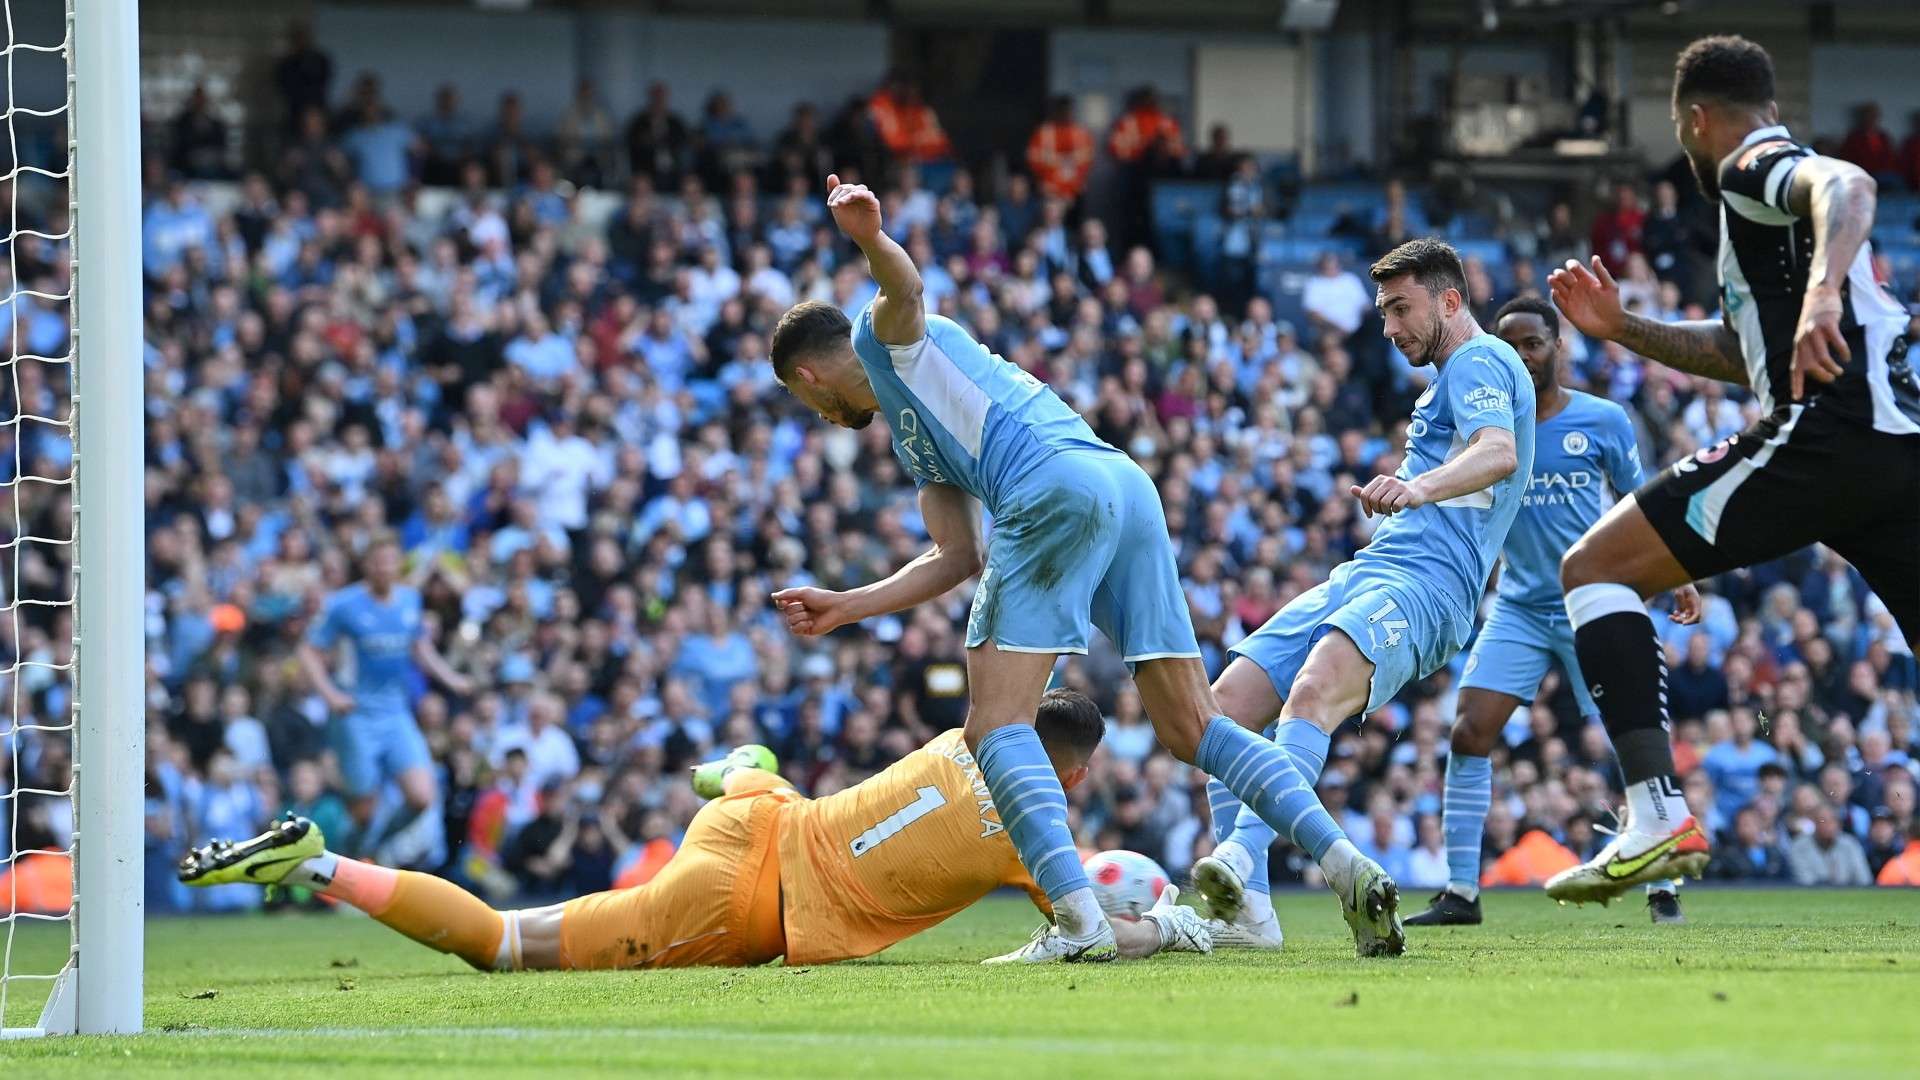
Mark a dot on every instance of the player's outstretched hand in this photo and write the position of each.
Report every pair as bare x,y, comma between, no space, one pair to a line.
1387,495
855,209
1181,928
1818,346
811,612
1589,298
1686,606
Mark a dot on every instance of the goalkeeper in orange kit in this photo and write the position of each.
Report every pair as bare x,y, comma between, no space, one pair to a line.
763,872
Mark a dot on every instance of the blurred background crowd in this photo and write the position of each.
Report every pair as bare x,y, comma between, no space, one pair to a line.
538,360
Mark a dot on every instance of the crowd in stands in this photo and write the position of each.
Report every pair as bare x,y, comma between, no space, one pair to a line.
574,432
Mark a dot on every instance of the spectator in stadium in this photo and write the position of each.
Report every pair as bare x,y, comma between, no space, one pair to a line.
1867,143
1749,853
1060,152
658,142
302,74
383,150
1617,231
1146,136
1828,855
1735,759
800,151
583,140
907,126
447,136
1335,300
197,139
1219,160
1903,870
510,149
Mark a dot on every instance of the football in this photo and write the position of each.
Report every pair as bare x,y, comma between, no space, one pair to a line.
1126,883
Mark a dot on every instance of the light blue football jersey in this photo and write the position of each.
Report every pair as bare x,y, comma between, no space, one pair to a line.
961,415
1585,458
1448,548
382,635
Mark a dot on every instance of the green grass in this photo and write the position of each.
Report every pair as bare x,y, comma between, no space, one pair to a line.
1762,984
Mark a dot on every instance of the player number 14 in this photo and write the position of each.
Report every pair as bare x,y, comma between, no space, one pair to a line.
929,799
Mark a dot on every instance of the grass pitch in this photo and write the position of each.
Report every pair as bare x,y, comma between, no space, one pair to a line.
1762,984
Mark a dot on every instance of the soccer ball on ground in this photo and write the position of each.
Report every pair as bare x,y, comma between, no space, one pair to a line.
1126,883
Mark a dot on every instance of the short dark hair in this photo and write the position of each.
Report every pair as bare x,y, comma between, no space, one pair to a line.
1433,263
1069,722
807,328
1726,68
1531,305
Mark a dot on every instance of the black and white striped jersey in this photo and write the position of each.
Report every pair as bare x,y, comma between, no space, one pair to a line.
1766,251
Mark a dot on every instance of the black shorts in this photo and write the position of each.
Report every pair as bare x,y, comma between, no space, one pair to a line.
1794,479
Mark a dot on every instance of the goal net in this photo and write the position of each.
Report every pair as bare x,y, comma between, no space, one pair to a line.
71,521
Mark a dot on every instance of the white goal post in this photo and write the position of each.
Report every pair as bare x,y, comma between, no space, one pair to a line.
99,988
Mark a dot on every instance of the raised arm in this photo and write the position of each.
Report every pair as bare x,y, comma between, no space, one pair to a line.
899,315
1839,198
954,524
1590,300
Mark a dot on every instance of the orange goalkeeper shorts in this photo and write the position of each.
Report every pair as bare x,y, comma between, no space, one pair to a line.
715,904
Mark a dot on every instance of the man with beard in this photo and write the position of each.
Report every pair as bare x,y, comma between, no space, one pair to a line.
1405,603
1835,458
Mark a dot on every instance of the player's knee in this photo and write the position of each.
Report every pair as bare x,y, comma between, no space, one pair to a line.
1473,736
1587,563
1319,697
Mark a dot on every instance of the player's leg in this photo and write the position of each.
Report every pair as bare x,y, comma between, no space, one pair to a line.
1053,544
1663,896
357,755
1244,694
1463,806
416,834
715,904
1004,689
432,911
1502,673
1270,786
1730,506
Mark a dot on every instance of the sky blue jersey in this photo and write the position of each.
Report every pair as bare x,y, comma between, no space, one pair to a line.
1585,458
1449,547
382,635
961,415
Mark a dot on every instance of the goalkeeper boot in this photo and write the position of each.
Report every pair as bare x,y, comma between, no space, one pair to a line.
262,860
1245,934
1633,858
710,779
1049,944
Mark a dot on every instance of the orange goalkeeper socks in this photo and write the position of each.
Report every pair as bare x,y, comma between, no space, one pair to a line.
432,911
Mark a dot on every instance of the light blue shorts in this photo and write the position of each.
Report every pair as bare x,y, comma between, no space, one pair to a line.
375,746
1405,630
1081,542
1517,645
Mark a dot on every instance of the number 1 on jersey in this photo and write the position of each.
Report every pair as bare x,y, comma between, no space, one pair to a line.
928,801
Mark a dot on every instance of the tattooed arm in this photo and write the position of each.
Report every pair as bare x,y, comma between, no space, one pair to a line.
1707,347
1590,300
1839,198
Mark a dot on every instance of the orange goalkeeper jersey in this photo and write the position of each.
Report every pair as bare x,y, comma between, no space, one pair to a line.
883,860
